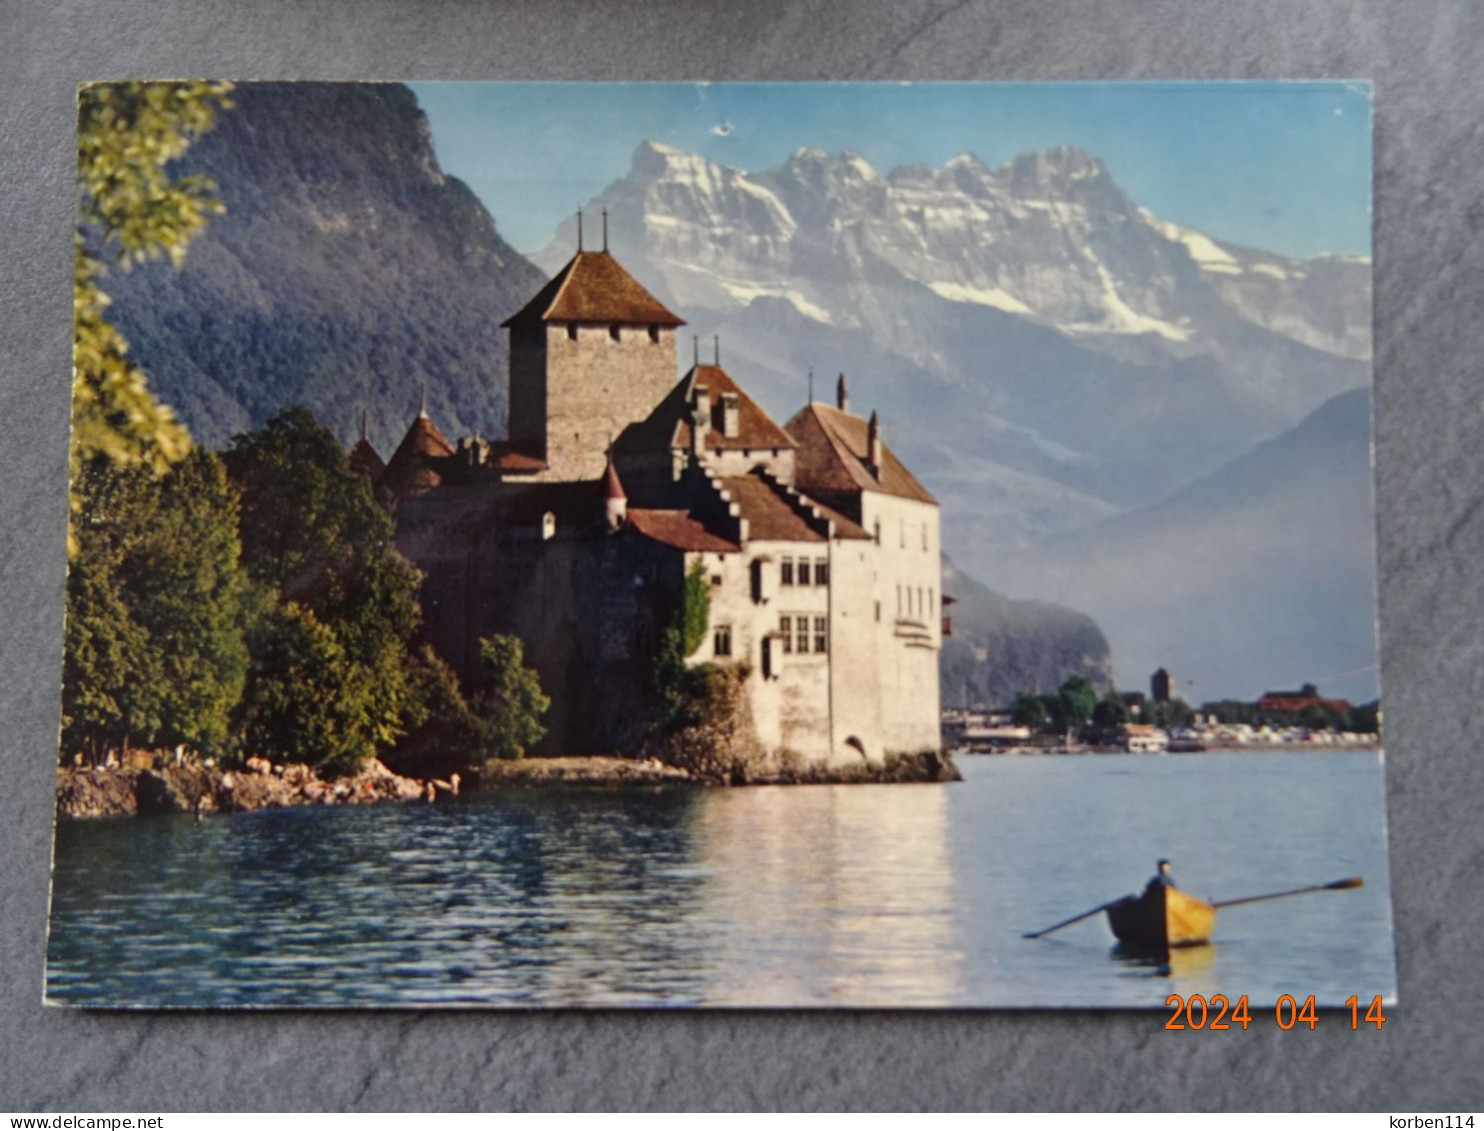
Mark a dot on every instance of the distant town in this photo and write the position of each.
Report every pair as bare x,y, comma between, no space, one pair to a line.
1075,719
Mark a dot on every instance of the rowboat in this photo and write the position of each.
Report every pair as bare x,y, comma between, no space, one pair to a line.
1161,918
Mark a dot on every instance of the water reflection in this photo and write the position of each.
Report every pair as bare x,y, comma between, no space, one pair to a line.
850,895
839,895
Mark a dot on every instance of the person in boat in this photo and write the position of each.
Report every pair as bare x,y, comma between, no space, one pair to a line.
1162,879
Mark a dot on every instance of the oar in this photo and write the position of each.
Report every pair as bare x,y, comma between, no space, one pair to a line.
1337,885
1069,922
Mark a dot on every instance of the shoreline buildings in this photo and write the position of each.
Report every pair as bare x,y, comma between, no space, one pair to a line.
819,549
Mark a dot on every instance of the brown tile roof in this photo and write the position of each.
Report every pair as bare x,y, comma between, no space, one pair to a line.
412,466
594,287
509,458
832,456
680,530
769,516
364,460
669,425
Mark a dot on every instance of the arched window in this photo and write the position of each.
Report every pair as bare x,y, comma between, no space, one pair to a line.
613,331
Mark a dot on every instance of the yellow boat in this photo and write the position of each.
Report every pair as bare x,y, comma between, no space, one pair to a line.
1161,918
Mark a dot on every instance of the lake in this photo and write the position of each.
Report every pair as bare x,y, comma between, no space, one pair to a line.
858,895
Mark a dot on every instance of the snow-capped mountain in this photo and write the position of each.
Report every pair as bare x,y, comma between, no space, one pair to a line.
1050,236
1045,352
1030,331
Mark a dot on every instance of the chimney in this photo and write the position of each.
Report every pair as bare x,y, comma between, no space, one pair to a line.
731,415
873,445
700,419
842,396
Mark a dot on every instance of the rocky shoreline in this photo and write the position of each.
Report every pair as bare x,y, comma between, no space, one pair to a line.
84,792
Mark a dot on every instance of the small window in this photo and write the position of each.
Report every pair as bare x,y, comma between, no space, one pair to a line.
801,635
785,633
902,534
803,571
878,532
721,643
786,572
613,332
920,605
924,537
654,334
571,331
716,579
878,612
930,600
821,571
821,635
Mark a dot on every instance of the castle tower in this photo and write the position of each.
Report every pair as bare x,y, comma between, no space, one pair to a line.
590,354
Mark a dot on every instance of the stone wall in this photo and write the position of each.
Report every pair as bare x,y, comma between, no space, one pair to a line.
582,392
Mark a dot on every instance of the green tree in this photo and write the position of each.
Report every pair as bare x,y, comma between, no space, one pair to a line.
1316,716
443,732
314,535
694,616
1078,699
1110,712
511,701
1028,711
157,604
130,210
1171,713
306,699
1364,718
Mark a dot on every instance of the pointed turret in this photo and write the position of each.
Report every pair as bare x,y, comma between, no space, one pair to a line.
842,395
615,501
414,466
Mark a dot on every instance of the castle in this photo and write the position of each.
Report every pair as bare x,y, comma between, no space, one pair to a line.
819,548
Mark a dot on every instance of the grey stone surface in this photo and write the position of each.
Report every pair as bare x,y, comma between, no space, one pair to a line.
1423,59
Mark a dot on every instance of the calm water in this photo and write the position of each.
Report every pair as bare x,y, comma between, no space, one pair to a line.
820,896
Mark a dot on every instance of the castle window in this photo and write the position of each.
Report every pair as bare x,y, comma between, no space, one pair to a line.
786,571
571,331
654,334
785,633
821,635
803,571
924,537
903,534
899,600
930,599
878,612
801,635
878,532
920,605
821,571
613,331
721,642
716,579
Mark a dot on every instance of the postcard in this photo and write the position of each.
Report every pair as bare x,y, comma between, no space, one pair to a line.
558,545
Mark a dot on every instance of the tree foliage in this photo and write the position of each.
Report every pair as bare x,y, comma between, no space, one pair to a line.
1110,712
694,616
315,537
510,703
130,210
307,699
1028,711
157,606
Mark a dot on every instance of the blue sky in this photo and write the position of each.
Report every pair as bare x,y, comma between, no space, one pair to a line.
1281,166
